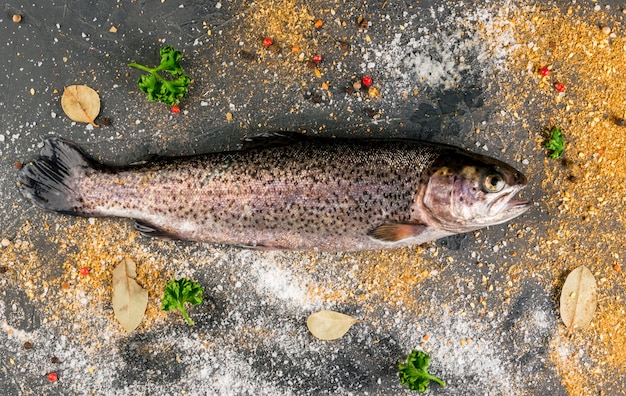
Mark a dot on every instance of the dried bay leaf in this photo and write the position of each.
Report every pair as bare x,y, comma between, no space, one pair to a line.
129,299
329,325
81,103
578,298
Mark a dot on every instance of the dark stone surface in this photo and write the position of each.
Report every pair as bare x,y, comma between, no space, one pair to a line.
59,43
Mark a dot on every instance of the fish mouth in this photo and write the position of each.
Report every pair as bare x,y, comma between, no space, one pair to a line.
506,207
518,206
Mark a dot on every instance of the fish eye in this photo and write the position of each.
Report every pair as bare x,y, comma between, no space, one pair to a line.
493,182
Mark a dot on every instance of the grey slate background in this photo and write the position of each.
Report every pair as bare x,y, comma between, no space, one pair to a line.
146,362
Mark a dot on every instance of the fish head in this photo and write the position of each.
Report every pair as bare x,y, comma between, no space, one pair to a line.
471,192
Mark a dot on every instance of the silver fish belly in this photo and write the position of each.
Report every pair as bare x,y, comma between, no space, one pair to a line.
310,194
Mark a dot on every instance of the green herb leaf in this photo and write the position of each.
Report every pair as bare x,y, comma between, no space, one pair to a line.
414,373
555,143
178,292
160,89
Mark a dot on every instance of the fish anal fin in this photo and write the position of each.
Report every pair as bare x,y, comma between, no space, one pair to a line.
394,232
153,231
263,246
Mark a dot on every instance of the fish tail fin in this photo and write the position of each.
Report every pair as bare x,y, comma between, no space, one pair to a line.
50,180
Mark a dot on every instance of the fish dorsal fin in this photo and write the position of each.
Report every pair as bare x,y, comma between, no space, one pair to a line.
150,230
274,139
394,232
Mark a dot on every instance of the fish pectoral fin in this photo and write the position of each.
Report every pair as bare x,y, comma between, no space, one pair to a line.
394,232
150,230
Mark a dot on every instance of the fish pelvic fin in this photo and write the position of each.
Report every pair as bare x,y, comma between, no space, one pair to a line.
395,232
50,180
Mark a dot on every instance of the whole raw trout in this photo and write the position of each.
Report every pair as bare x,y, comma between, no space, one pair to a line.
298,193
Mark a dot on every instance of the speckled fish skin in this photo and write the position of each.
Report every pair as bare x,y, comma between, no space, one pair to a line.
312,194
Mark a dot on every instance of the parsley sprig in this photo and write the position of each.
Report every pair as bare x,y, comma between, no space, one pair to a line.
414,373
160,89
555,143
178,292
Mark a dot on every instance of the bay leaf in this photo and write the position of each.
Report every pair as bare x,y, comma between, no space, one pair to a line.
578,298
329,325
129,299
81,103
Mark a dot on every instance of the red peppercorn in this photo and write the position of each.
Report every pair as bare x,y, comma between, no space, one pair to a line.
176,109
367,81
85,271
52,377
317,58
544,71
267,42
559,87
